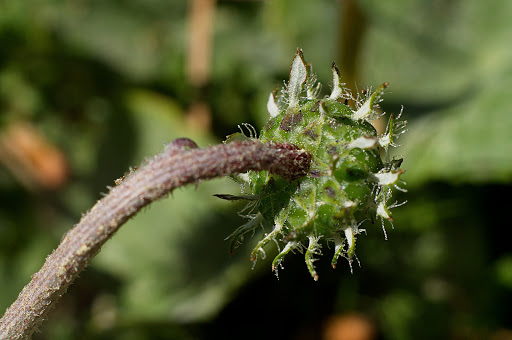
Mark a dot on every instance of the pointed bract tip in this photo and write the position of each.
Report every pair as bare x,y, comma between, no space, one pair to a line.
298,76
337,85
272,107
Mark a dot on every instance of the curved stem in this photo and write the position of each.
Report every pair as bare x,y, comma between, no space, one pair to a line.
179,164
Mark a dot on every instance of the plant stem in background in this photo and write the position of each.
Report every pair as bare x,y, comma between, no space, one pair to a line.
179,164
351,35
201,22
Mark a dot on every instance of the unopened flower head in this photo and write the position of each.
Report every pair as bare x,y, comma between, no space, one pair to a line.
348,181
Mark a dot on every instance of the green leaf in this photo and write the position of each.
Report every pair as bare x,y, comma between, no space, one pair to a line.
466,143
452,63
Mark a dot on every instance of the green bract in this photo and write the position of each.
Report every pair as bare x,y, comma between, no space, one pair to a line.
348,181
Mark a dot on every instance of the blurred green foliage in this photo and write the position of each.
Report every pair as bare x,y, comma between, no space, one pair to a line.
105,84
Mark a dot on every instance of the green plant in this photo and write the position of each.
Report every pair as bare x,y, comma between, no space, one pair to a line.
348,181
315,172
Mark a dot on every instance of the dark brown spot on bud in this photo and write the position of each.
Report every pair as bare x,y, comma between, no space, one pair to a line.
290,120
330,192
310,131
311,134
332,150
315,174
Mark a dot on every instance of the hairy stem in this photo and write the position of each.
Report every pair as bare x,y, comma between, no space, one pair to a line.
179,164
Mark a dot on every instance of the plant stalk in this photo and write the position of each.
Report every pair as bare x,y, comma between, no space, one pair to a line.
179,164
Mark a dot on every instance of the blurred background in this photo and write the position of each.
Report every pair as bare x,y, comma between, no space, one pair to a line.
89,88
